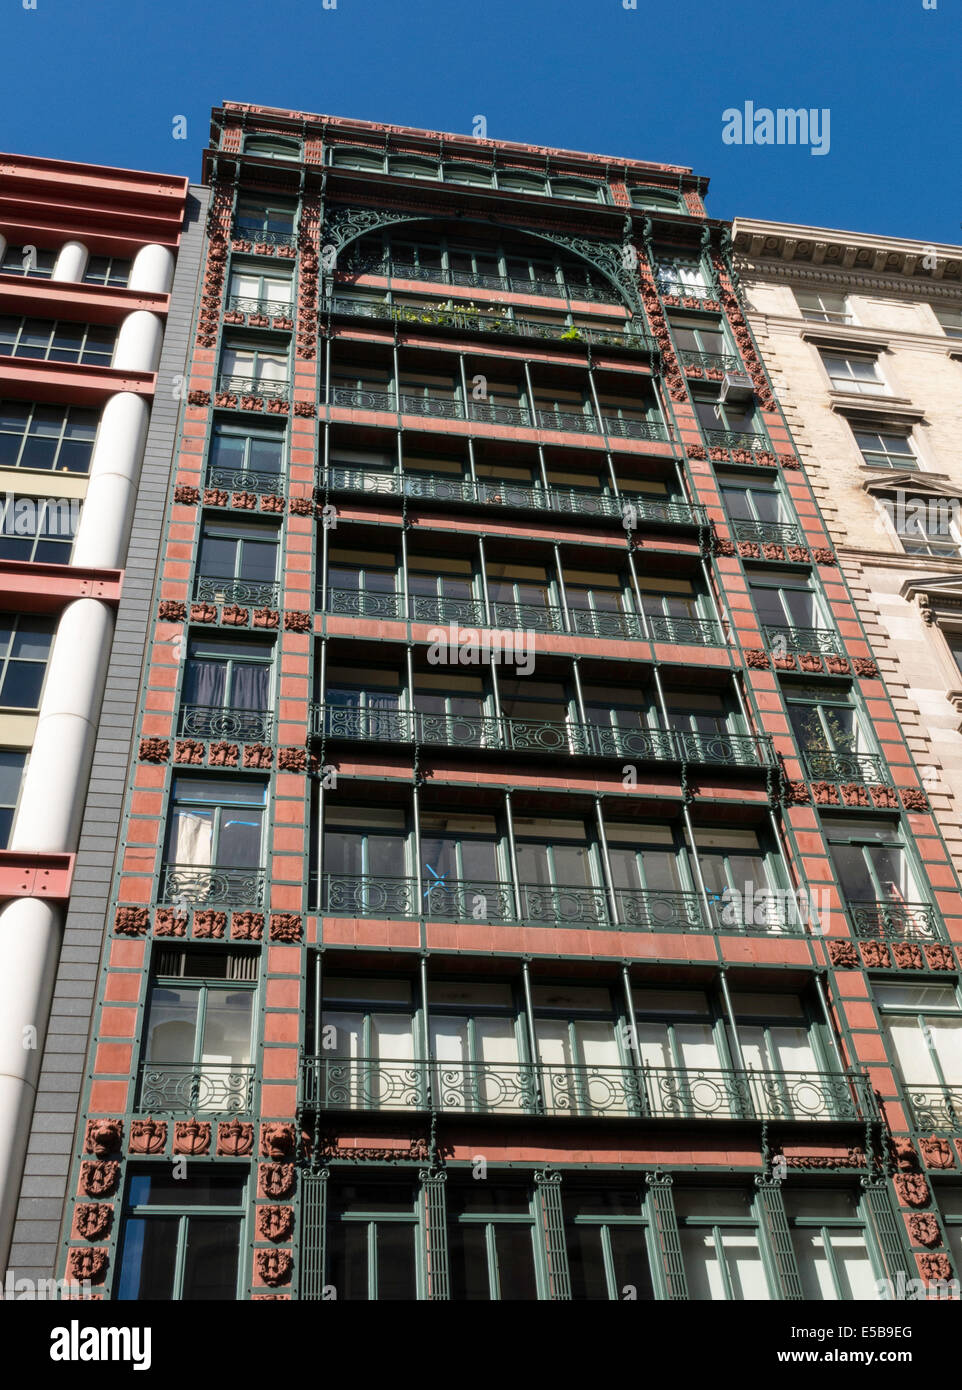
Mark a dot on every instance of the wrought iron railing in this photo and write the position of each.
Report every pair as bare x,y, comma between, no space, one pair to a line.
804,639
580,1091
258,234
210,589
675,289
515,734
768,532
169,1088
216,721
253,386
484,412
270,308
831,766
550,905
894,921
212,885
736,439
710,361
937,1108
245,480
692,632
469,319
554,289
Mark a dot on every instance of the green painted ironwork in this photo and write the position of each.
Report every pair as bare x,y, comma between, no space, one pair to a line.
313,1233
195,1088
436,1271
245,480
220,722
212,886
824,640
935,1108
254,386
779,1238
665,1224
211,589
768,532
548,1192
892,921
887,1227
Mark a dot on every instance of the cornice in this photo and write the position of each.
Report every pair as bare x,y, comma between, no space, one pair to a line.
928,288
849,334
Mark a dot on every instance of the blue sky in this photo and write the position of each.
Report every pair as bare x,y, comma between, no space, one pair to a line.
102,80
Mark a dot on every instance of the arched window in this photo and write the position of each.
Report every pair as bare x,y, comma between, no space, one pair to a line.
578,188
346,158
522,183
468,173
655,198
413,168
272,146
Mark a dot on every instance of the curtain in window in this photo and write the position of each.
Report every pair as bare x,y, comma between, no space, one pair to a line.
194,838
251,686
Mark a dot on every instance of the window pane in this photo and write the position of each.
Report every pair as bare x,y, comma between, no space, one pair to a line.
347,1259
468,1261
396,1269
210,1262
629,1254
149,1258
515,1250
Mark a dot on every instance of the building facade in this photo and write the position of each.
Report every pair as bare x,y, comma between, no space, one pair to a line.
864,337
86,264
479,927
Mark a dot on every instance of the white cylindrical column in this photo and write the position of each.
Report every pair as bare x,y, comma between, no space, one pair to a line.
29,950
71,262
138,343
108,508
55,786
152,270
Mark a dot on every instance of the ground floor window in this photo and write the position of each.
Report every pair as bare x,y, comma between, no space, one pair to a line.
182,1237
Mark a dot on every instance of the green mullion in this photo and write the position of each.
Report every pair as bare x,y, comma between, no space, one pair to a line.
433,1251
886,1227
551,1226
775,1227
313,1228
665,1228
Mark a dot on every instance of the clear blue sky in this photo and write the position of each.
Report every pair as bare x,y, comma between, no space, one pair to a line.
102,80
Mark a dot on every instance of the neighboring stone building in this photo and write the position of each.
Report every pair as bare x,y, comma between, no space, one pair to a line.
863,338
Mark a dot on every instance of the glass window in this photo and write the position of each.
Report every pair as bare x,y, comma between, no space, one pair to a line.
57,340
924,1026
235,450
272,146
886,450
373,1234
13,761
871,862
787,606
720,1245
831,1245
950,1204
491,1244
107,270
951,321
49,437
182,1239
25,645
259,366
28,260
252,290
227,688
823,306
854,374
234,550
658,199
607,1240
216,822
41,529
928,526
258,220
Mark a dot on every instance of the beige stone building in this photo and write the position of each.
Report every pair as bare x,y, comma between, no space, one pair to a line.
863,338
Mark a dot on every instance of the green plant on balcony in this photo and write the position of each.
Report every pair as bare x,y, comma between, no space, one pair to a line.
571,335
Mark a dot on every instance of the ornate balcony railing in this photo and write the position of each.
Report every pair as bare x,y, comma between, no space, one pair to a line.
406,270
484,412
245,480
258,235
269,308
692,632
937,1108
579,1091
216,721
670,288
891,921
846,767
768,532
549,905
210,589
736,439
804,639
709,361
212,886
253,386
221,1088
469,319
514,734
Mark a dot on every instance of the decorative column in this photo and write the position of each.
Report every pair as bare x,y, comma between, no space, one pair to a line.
71,262
548,1194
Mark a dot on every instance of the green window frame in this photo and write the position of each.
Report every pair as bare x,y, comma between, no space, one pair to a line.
368,1256
729,1222
681,276
57,340
13,765
490,1233
367,842
786,604
25,647
235,550
251,283
735,417
820,1239
48,438
657,199
949,1199
273,146
264,366
923,1024
255,218
873,854
609,1244
751,500
216,822
238,450
831,732
694,336
182,1239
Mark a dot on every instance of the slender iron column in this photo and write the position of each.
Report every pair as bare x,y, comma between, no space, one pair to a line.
606,862
512,854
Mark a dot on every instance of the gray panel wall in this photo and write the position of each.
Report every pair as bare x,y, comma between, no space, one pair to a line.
43,1195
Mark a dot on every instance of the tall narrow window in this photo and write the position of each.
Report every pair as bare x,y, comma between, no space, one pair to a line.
606,1233
373,1236
832,1248
12,764
214,838
25,645
492,1243
182,1238
227,689
237,562
721,1245
924,1026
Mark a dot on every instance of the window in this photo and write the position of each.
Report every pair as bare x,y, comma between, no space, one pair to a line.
721,1246
345,158
924,1027
244,457
701,341
373,1241
197,1043
824,307
38,528
468,174
217,823
257,367
251,291
658,199
736,864
477,1042
831,735
373,1034
413,168
757,511
28,260
227,689
57,341
606,1234
950,1204
928,525
886,450
858,375
364,849
787,606
182,1237
951,321
272,146
492,1239
871,862
522,183
107,270
459,852
582,1059
50,437
831,1245
24,652
582,189
684,278
237,561
262,221
13,761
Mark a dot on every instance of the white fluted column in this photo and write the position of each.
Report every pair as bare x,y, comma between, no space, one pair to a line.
138,343
152,270
71,261
105,520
